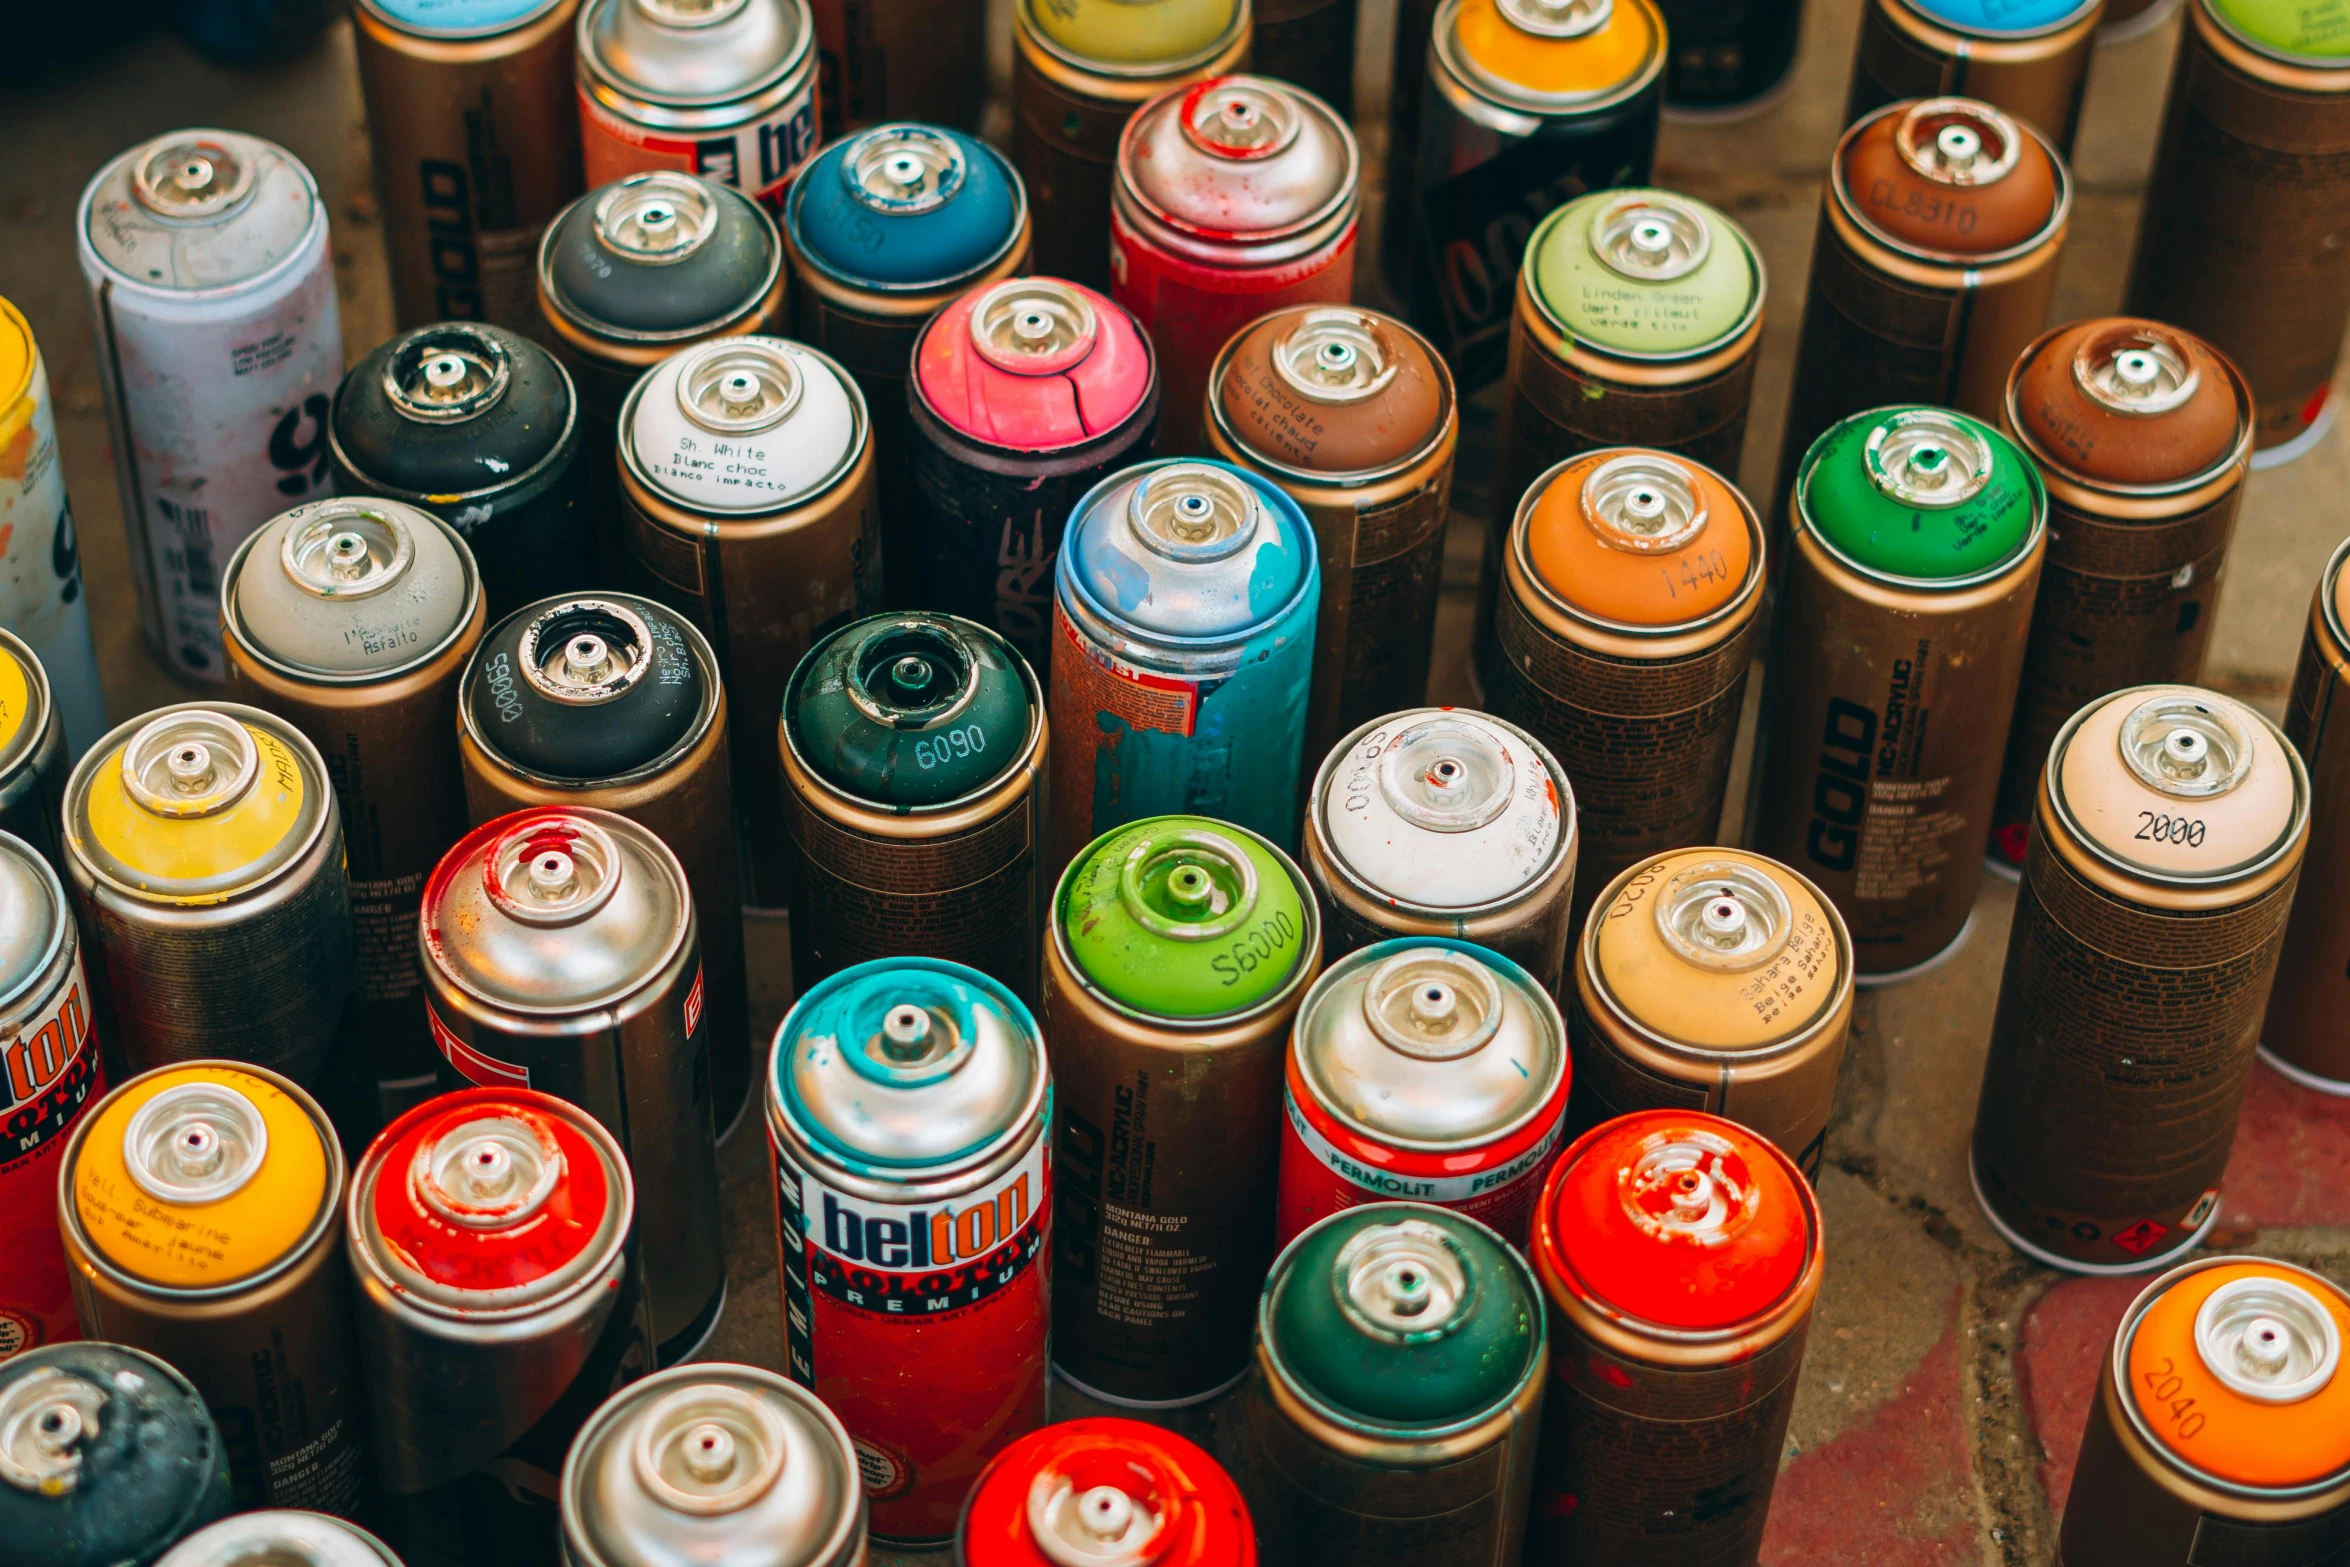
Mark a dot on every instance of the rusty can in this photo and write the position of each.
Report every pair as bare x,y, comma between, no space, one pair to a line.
2222,1424
351,619
1177,953
880,60
913,769
2141,434
1393,1408
1090,1490
1422,1070
2234,243
613,702
1713,979
2306,1034
32,752
1080,68
746,477
1932,271
1632,591
1440,821
1918,535
2164,856
1681,1255
476,146
256,1313
1352,414
2028,60
1233,197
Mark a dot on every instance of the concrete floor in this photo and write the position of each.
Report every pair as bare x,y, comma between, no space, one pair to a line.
1948,1380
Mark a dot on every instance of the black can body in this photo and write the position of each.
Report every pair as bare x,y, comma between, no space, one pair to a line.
1728,56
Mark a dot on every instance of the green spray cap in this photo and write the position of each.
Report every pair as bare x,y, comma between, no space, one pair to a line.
1184,917
1645,273
1925,494
1399,1315
2302,29
910,710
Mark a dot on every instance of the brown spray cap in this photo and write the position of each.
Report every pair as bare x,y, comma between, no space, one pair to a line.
1334,389
2125,401
1952,176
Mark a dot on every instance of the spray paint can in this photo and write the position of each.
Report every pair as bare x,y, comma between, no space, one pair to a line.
1025,395
2028,61
709,1463
1526,105
1731,59
1716,980
1233,197
2231,243
882,60
629,274
201,1209
913,761
41,598
2167,845
205,855
907,1105
218,344
1444,822
1183,649
284,1539
721,88
562,954
32,752
350,620
480,427
1352,414
887,228
1310,43
1423,1071
469,112
1680,1254
2220,1424
1932,270
1105,1486
613,702
117,1460
1080,68
1918,535
747,487
2141,434
1629,606
1397,1392
501,1299
1180,950
2303,1034
49,1075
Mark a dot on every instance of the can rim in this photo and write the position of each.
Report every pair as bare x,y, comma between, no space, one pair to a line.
1248,247
2020,433
1025,28
232,617
40,712
1840,195
682,336
1521,550
1448,422
1714,345
1801,519
859,444
2236,35
564,449
1529,111
2069,19
2329,607
1074,457
297,256
1015,232
739,104
376,9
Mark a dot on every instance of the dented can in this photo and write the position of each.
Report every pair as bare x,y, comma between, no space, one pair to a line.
1352,414
32,752
204,850
913,762
2306,1033
907,1110
1715,980
721,88
257,1316
283,1538
1444,822
1183,649
2142,435
1630,601
1918,536
1179,951
883,60
2222,1424
709,1462
1025,395
1104,1485
1426,1071
1233,197
350,619
2030,60
1080,68
501,1298
469,114
41,596
1680,1255
747,492
219,343
1396,1394
2169,839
